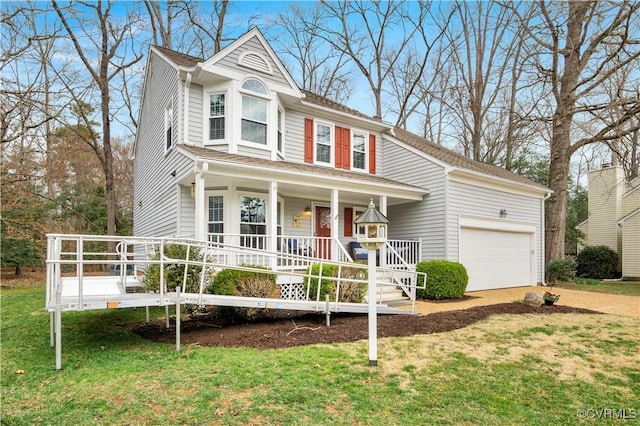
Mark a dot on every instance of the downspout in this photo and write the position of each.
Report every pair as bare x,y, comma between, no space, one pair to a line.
185,115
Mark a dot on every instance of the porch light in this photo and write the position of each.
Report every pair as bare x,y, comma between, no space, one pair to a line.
371,228
503,213
193,189
307,211
371,233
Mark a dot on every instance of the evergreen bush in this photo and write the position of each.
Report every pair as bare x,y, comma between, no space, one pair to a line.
353,292
445,280
174,273
597,262
561,270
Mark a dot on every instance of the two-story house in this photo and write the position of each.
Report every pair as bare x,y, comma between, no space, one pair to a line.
614,216
229,149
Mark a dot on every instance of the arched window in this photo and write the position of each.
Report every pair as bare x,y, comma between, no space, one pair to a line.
254,113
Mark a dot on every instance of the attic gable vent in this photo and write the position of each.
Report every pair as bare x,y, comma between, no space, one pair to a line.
255,61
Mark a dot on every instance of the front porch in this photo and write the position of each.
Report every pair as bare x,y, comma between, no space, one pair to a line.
396,254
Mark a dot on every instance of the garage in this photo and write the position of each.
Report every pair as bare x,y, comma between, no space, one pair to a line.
497,258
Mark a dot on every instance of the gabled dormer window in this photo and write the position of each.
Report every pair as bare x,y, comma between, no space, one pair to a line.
216,116
254,112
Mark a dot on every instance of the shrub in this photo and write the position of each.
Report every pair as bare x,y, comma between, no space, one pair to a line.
327,286
234,282
445,279
349,291
598,262
174,273
561,270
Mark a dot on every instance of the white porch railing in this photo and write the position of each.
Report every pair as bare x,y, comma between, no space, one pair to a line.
303,248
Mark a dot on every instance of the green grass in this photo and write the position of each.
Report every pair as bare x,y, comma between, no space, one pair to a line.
111,376
629,288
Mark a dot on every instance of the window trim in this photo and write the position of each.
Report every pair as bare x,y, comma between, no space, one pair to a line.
280,131
364,169
169,126
332,143
223,116
242,92
222,194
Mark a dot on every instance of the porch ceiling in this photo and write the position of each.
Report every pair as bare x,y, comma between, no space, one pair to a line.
298,180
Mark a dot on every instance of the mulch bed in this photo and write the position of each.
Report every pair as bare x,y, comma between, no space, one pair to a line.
282,329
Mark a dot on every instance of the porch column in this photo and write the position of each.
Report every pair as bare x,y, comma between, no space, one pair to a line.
382,208
335,223
200,203
272,224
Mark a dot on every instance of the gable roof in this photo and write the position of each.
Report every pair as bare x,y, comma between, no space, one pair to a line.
436,151
178,58
457,160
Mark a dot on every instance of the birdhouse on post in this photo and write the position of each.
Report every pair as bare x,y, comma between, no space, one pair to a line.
371,233
371,228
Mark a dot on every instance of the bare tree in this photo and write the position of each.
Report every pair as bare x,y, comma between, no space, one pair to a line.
104,56
319,68
580,46
375,36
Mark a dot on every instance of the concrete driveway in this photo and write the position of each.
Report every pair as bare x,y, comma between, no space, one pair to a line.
607,303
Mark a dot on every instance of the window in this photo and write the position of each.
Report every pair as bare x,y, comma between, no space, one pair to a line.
324,141
359,150
216,214
279,130
253,217
168,125
357,212
216,116
254,113
254,120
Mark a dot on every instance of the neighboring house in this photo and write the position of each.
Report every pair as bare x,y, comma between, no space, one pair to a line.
229,149
614,216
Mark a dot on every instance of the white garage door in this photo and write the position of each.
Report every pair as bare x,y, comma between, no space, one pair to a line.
496,259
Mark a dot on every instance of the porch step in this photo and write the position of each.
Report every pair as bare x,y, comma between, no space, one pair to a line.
389,295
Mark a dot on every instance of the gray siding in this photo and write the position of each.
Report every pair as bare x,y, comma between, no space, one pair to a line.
424,219
294,136
231,61
155,191
197,123
467,199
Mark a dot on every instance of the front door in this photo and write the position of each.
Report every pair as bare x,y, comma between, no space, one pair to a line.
323,229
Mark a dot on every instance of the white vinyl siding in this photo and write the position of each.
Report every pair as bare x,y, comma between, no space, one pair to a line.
467,199
155,189
196,122
230,61
423,220
631,246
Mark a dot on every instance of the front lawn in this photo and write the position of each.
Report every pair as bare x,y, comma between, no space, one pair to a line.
629,288
518,369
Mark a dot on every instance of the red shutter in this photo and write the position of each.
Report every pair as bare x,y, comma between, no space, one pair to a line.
308,140
372,154
346,149
338,154
348,222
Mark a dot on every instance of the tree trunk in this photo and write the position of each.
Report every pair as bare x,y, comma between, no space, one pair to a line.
556,207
